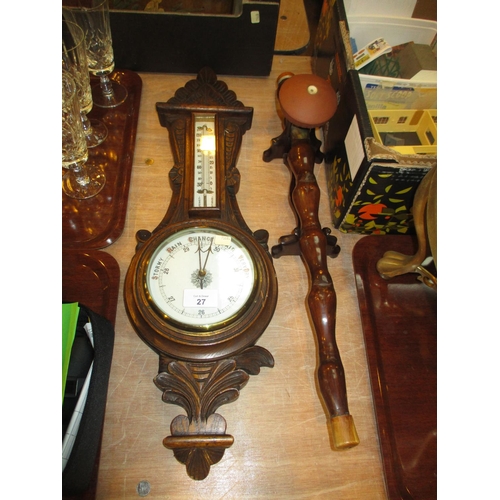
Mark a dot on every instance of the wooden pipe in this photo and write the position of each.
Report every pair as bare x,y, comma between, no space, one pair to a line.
299,148
322,299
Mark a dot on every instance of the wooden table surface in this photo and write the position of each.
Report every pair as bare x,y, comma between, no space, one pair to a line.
282,445
292,34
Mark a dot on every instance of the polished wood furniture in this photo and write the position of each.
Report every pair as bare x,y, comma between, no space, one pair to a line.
283,449
399,317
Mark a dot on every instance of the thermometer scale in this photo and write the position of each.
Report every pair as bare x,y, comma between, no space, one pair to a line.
204,161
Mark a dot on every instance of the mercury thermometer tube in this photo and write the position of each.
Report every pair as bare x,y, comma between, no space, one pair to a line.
205,163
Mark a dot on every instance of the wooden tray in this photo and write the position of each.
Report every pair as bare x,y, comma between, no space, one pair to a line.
99,221
92,278
399,319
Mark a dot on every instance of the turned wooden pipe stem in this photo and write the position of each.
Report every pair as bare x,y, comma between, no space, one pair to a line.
321,299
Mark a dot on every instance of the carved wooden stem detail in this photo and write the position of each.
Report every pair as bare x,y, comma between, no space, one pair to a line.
199,439
321,300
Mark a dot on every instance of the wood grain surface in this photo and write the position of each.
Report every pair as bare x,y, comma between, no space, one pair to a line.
292,34
282,446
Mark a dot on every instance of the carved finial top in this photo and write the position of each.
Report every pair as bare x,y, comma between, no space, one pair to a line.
207,90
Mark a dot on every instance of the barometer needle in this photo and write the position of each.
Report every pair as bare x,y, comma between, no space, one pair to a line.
202,271
206,258
199,256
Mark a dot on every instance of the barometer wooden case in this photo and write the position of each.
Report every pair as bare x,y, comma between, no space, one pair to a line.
201,288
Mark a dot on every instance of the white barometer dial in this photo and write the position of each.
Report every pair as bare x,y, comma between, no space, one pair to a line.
200,277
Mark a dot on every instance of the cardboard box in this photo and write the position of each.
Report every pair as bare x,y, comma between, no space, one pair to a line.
371,187
185,40
385,92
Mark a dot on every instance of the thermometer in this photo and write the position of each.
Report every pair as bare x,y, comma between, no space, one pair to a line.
204,161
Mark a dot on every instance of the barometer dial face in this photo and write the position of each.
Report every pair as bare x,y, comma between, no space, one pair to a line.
201,278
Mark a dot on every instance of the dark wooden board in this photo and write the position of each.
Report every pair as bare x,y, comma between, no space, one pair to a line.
399,318
99,221
166,42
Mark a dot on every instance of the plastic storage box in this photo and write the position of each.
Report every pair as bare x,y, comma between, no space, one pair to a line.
383,92
339,31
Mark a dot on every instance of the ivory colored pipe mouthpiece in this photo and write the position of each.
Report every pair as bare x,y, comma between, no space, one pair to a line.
344,432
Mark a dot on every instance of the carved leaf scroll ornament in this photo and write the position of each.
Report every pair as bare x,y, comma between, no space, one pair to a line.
199,439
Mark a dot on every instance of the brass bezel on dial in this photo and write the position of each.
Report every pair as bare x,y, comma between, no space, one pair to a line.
193,326
185,341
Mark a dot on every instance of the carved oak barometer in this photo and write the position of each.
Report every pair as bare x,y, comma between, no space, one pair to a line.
201,288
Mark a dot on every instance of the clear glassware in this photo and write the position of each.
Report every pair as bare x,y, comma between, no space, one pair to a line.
94,21
84,178
74,61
